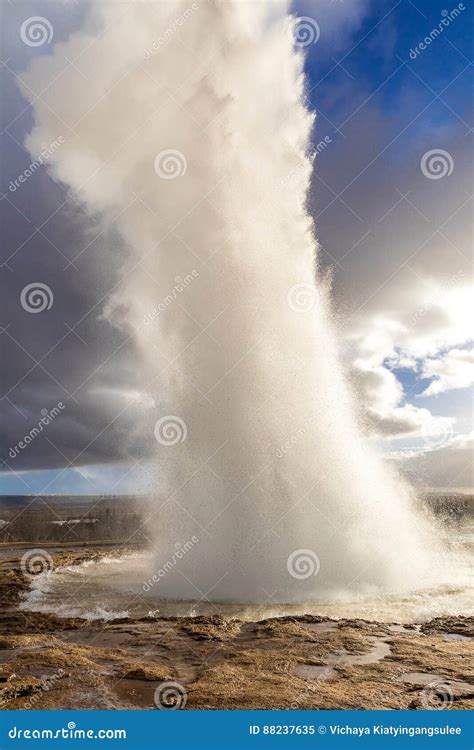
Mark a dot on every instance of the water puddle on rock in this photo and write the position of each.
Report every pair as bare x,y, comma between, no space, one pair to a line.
321,627
380,650
402,628
457,637
437,681
313,672
139,693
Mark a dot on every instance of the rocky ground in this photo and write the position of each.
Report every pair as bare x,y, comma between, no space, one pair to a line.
212,662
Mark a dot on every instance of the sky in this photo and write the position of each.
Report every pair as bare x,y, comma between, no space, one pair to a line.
391,196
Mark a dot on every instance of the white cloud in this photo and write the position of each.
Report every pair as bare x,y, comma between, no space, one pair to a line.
429,321
380,394
453,370
442,466
441,319
414,334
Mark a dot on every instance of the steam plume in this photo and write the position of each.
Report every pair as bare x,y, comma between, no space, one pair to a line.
188,129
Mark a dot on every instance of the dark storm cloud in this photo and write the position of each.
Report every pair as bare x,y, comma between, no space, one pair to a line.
65,354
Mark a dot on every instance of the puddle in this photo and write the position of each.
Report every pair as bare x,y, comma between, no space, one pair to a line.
400,629
379,652
456,637
321,627
313,672
425,678
139,693
252,637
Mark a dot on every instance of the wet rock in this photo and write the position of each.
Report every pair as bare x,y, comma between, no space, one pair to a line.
142,672
459,625
306,662
214,628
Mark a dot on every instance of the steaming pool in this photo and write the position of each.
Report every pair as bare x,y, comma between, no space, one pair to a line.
112,587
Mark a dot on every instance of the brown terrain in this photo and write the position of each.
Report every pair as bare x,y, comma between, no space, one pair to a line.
304,662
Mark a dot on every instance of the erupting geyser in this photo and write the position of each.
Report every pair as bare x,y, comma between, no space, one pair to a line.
191,134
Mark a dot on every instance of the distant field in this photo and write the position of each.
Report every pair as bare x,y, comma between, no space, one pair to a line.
118,518
66,519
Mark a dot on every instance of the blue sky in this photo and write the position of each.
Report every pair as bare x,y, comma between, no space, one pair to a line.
382,110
